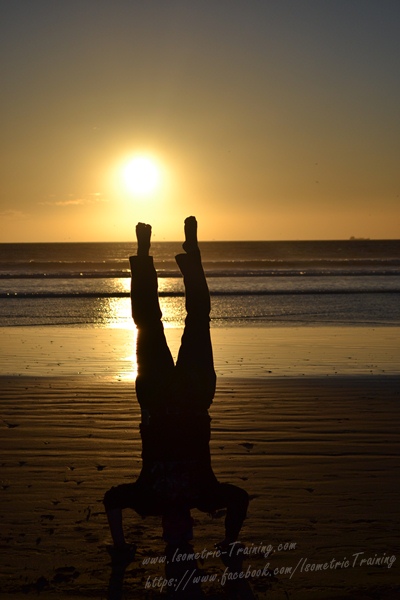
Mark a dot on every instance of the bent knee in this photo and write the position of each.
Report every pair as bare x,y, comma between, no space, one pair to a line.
109,499
239,496
242,496
118,497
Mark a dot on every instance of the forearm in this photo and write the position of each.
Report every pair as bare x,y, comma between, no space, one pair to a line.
114,517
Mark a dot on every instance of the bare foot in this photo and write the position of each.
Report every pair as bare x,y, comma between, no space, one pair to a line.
143,235
190,243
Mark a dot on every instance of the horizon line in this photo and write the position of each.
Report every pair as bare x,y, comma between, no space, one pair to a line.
350,239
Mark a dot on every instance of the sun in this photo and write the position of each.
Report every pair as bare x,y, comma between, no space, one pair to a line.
141,175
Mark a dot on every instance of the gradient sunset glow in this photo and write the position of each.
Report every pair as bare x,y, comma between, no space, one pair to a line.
268,120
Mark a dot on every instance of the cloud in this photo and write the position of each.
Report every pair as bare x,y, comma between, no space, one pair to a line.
13,214
74,202
92,198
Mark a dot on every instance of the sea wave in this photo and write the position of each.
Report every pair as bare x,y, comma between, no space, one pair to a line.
179,294
301,271
232,310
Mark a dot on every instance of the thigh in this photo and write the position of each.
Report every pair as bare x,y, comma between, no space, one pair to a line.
152,353
195,372
155,369
196,347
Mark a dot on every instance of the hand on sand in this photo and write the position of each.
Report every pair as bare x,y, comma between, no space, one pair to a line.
122,556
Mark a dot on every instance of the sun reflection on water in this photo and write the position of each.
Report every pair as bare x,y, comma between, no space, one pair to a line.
116,314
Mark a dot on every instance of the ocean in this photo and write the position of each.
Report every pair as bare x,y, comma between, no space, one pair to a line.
303,283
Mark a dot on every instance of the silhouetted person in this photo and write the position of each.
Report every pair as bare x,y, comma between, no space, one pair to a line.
176,473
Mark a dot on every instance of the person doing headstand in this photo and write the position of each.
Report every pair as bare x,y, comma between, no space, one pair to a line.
174,399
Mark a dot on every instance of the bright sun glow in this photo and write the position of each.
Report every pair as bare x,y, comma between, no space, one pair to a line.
142,175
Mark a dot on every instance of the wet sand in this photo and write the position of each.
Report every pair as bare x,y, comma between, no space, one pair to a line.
319,456
251,352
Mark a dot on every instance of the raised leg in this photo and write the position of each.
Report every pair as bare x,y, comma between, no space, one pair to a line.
154,360
195,363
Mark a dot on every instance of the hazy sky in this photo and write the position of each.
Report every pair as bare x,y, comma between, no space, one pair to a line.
268,119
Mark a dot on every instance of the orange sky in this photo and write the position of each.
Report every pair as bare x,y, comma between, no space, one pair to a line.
267,120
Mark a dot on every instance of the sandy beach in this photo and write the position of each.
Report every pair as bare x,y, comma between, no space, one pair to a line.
318,453
238,351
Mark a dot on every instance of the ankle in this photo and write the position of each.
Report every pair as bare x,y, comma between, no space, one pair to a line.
143,235
190,244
